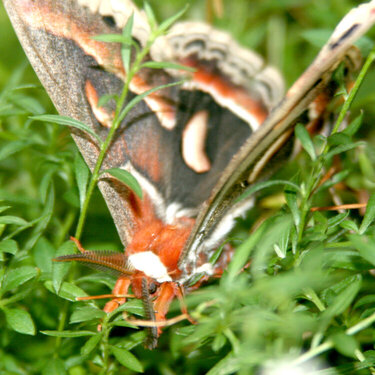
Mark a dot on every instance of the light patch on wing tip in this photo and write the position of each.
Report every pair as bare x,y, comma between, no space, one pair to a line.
206,268
193,143
151,265
100,113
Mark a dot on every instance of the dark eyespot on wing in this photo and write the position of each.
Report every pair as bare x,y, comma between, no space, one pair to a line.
344,36
109,21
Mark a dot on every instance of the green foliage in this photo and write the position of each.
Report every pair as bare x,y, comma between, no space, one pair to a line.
305,299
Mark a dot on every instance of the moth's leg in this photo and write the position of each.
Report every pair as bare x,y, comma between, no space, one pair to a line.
121,288
181,298
166,295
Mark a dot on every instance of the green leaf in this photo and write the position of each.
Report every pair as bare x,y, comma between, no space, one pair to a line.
28,103
166,65
126,48
366,300
43,220
43,254
13,220
4,208
219,341
263,185
140,97
350,225
242,253
67,121
337,220
150,16
20,321
338,139
8,246
68,333
90,344
123,323
114,38
369,215
338,177
46,183
291,199
67,291
127,178
365,247
304,137
54,366
353,127
165,25
86,313
13,147
226,366
127,359
17,277
345,344
282,246
342,301
82,174
60,269
132,306
343,148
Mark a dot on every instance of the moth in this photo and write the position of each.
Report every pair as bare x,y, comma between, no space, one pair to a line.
194,148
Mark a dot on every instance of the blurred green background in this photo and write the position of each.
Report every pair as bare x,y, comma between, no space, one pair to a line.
37,182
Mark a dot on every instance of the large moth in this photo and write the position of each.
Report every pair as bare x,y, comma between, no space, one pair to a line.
193,148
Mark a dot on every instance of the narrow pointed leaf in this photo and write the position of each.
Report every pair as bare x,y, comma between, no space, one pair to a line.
166,65
165,25
67,121
304,137
68,333
82,175
127,178
127,359
369,215
90,344
140,97
125,48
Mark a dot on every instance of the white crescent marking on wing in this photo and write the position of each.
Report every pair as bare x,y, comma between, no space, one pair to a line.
193,143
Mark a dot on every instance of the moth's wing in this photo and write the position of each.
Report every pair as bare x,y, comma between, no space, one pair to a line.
246,166
224,101
165,137
56,38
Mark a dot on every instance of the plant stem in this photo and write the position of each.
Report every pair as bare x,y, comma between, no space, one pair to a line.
314,180
329,344
105,346
115,124
354,90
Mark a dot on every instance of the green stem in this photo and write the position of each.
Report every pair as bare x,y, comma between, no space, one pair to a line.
115,124
318,167
354,90
329,344
62,319
105,346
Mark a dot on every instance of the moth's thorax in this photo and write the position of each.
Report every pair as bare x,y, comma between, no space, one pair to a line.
156,245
